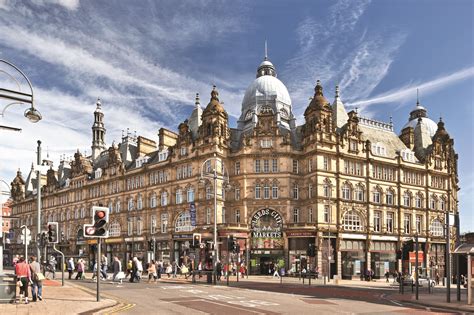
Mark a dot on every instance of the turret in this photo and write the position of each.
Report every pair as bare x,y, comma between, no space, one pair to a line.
98,131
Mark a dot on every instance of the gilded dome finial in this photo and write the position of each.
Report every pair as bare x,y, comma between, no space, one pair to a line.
214,93
319,88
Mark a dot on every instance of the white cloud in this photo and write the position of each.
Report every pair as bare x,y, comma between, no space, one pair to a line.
408,91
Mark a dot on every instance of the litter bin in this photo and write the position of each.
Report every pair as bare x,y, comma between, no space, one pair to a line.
7,288
209,277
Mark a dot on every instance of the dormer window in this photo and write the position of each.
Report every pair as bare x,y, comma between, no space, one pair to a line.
266,143
68,182
184,151
408,155
98,173
162,156
379,149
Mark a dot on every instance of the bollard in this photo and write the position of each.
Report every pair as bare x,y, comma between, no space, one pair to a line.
281,280
309,279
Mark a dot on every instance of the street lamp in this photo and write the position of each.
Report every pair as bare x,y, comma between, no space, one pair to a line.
18,97
214,168
1,223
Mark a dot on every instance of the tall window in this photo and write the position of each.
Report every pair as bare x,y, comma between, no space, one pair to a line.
433,202
190,195
208,192
376,196
139,202
257,191
257,166
295,191
117,206
326,164
274,191
327,214
389,197
237,193
164,198
346,192
295,166
310,165
130,204
327,190
296,215
351,222
310,215
407,223
359,193
130,226
153,224
419,222
139,226
442,204
266,166
274,165
179,196
153,200
377,221
237,216
208,216
223,215
310,190
266,191
115,229
164,222
237,168
418,201
406,199
390,222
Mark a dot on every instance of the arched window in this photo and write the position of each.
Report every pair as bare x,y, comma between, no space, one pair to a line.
407,199
114,229
352,222
433,202
377,195
153,200
437,228
346,192
359,193
419,201
139,202
389,197
190,194
179,196
130,204
183,222
327,189
164,198
442,204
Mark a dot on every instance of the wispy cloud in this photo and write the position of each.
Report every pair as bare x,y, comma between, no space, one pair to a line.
408,91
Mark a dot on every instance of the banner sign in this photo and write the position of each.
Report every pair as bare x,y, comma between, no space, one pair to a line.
267,226
192,212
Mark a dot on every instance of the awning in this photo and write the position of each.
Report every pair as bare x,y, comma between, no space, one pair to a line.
464,249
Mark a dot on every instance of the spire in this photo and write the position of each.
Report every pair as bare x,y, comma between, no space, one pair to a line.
214,93
197,101
417,98
339,114
318,89
337,91
266,50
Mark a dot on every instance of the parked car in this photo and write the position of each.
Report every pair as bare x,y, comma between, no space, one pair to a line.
425,282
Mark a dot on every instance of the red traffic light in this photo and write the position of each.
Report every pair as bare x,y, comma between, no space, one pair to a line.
100,214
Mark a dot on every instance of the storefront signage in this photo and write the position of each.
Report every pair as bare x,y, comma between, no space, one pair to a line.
236,235
91,242
412,257
267,228
192,212
183,236
113,240
300,234
134,239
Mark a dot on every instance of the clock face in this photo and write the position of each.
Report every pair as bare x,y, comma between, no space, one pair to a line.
249,115
284,113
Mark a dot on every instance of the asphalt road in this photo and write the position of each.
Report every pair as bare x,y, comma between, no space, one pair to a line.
168,297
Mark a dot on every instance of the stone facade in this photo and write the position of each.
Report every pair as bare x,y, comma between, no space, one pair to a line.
346,183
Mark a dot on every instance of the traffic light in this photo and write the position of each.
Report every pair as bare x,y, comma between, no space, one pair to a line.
100,226
236,247
406,248
53,232
230,242
311,251
196,240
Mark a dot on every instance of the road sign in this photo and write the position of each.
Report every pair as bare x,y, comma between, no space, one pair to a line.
21,239
28,232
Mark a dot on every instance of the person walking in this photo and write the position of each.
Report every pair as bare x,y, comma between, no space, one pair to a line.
37,278
275,272
158,266
117,269
70,267
94,271
52,266
103,266
129,269
218,270
80,269
169,270
23,274
151,271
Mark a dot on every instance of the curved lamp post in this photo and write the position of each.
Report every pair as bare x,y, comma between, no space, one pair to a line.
18,97
1,223
214,169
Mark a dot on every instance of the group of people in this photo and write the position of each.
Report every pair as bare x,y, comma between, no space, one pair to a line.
29,274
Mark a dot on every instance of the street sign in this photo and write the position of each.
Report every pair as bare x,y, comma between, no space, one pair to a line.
21,239
28,232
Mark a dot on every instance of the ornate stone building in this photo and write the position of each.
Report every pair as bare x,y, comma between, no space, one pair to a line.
349,184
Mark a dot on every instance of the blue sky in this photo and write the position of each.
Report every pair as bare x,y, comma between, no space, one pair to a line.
146,60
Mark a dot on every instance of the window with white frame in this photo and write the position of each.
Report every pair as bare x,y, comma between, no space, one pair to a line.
266,143
164,222
274,165
359,193
310,191
407,223
237,216
190,194
327,190
274,191
237,193
257,166
377,221
139,226
266,166
310,215
295,191
223,215
406,199
153,224
433,202
326,163
327,214
419,224
130,204
208,192
296,215
266,191
389,197
295,166
237,168
442,204
389,221
418,201
437,228
153,200
83,213
208,216
139,202
114,229
376,196
111,207
352,222
179,196
117,207
130,226
346,192
257,191
310,165
183,222
164,198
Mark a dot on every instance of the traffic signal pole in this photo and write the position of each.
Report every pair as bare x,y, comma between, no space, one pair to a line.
62,263
97,270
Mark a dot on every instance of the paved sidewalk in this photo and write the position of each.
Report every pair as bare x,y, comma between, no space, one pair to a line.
69,299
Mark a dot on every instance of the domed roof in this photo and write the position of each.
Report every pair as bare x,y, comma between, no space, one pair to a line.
265,87
214,105
430,125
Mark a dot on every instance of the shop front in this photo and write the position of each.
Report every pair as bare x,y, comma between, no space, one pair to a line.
267,242
383,258
298,244
437,260
162,249
114,247
135,247
353,259
181,248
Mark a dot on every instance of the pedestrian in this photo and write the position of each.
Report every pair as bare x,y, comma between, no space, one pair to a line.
437,278
15,261
70,267
139,268
275,272
37,279
129,268
134,270
151,271
23,274
80,269
158,266
117,268
387,276
184,270
52,266
94,271
218,270
175,268
200,269
103,266
169,270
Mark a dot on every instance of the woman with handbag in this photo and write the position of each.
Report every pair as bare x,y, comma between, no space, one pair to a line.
23,274
37,278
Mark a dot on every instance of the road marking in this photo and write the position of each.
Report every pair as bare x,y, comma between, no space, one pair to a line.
252,303
121,308
194,291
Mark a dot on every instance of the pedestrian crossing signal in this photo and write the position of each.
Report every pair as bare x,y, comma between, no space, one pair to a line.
53,232
100,226
196,240
311,251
